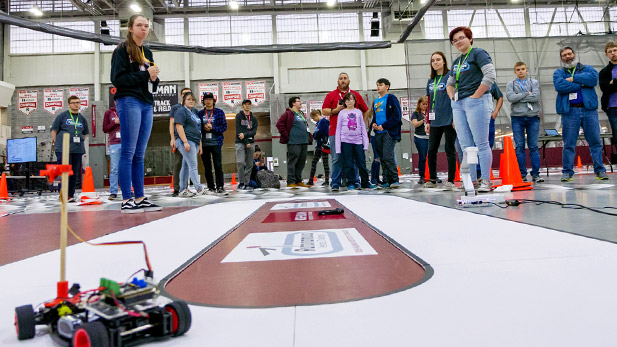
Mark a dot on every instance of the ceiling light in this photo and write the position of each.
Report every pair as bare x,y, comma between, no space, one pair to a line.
135,7
331,3
233,4
35,10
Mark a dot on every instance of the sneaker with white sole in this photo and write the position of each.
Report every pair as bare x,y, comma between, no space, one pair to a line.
430,184
484,186
203,191
448,186
148,206
537,178
186,194
130,206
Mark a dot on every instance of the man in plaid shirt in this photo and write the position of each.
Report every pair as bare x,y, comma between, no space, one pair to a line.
213,125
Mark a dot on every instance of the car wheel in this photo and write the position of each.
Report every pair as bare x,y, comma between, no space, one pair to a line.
92,334
181,317
24,322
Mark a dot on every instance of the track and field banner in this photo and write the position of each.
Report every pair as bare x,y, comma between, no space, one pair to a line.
211,87
232,93
53,100
27,101
256,92
166,96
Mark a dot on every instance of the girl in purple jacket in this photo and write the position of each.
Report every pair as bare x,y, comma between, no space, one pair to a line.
352,141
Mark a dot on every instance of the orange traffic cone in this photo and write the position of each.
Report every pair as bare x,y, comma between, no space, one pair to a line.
4,192
578,162
88,194
427,173
457,174
233,178
492,177
511,174
502,165
398,169
172,183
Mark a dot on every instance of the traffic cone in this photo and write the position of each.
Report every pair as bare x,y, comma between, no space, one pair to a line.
492,177
502,165
233,178
512,174
88,195
578,162
427,173
398,169
4,192
172,183
457,174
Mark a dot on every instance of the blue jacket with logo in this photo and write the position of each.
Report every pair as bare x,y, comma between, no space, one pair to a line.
585,80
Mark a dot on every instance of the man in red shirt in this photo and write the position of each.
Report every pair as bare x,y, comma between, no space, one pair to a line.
331,107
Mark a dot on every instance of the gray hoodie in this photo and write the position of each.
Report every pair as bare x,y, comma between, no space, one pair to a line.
522,99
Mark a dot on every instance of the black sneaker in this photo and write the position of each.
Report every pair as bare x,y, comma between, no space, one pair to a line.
147,206
537,178
113,196
240,186
175,194
221,191
130,206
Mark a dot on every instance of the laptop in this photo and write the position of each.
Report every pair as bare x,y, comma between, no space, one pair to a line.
551,132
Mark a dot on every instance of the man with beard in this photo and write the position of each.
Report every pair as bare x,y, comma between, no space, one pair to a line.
577,103
332,105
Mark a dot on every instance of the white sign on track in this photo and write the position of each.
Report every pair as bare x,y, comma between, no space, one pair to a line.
302,244
295,205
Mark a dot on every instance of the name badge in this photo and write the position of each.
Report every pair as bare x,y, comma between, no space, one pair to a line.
572,96
455,96
76,139
117,134
530,106
431,116
208,135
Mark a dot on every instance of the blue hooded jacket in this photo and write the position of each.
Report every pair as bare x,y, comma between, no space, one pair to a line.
393,117
585,80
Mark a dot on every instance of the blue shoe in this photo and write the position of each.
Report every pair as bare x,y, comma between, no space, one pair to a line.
385,185
395,185
351,187
566,177
371,186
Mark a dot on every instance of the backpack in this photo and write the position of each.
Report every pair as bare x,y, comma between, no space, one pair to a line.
268,179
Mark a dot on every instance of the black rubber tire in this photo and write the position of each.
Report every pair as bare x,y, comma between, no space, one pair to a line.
96,332
183,314
24,322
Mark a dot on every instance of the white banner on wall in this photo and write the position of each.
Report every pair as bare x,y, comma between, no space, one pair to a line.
232,93
83,94
53,100
405,108
256,92
211,87
315,105
27,101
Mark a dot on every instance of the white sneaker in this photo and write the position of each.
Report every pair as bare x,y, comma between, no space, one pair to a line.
186,194
448,186
203,191
484,186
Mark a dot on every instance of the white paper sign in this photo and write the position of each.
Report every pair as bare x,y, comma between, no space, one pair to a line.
405,108
297,205
27,101
304,107
53,100
302,244
210,87
315,105
83,94
256,92
232,93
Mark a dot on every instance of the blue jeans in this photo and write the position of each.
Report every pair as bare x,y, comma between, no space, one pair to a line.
471,119
355,160
491,133
189,165
531,125
136,119
337,164
612,119
114,159
422,147
571,123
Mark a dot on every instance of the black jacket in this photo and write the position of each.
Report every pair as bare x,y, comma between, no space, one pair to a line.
127,77
606,75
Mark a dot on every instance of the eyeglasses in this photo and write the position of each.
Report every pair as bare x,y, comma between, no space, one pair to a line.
75,102
459,39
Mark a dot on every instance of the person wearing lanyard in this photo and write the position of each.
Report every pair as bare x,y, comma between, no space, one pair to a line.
135,77
420,138
213,125
75,124
111,126
524,95
577,103
473,74
608,86
439,121
332,105
188,142
246,129
295,133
